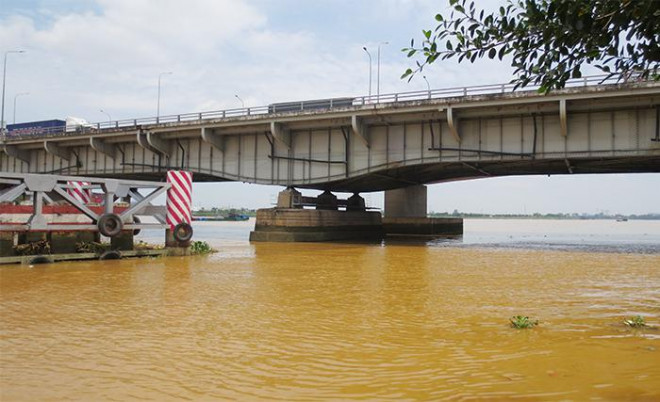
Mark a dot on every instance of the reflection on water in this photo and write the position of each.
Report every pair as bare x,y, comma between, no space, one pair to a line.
342,321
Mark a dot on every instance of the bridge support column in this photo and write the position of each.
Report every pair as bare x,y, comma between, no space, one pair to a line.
405,215
289,222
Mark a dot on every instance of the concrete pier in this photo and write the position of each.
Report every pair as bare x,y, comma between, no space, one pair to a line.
309,225
406,215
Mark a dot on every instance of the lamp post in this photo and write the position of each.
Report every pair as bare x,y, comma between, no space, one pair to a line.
109,118
15,97
378,72
4,81
428,86
158,106
369,54
242,103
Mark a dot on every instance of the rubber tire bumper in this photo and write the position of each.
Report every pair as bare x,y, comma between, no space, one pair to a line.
182,232
110,225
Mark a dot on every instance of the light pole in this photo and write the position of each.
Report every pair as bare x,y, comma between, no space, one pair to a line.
4,81
369,54
378,72
242,103
15,97
109,118
158,106
428,86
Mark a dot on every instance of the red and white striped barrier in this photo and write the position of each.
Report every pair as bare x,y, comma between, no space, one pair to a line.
76,190
179,198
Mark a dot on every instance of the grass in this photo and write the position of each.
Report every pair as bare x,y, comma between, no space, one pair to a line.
635,322
522,322
200,247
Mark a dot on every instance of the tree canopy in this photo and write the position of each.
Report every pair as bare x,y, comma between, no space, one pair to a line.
549,40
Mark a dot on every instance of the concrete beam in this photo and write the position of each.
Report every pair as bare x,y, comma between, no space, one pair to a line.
562,118
217,141
360,130
152,143
158,144
452,121
102,147
15,152
281,133
57,150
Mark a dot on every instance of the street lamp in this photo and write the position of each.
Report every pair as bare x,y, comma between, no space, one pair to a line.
158,107
428,86
239,98
15,97
4,81
109,118
369,54
378,72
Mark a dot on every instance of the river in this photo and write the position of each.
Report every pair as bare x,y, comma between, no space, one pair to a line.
399,320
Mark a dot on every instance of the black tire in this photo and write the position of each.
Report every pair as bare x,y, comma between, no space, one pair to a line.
110,225
110,255
40,259
136,231
182,232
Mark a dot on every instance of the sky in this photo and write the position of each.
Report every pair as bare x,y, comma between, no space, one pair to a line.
94,58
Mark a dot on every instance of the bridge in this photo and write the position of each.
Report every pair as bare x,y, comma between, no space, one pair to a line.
371,144
394,142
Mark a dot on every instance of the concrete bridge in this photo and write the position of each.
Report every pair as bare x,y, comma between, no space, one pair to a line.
395,141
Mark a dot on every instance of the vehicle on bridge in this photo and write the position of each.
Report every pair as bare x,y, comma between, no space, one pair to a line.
47,127
317,104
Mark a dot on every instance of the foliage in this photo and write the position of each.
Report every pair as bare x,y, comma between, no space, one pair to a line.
91,247
200,247
33,248
549,40
635,322
142,245
522,322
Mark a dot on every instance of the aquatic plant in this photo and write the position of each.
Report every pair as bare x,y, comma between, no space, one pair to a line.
91,247
200,247
522,322
33,248
635,322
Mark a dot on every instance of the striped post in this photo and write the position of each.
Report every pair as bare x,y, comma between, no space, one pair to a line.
76,190
179,198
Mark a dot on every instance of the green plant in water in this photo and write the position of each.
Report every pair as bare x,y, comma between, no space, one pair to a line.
522,322
200,247
635,322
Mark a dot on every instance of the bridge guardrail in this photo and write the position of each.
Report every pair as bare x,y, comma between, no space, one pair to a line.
314,104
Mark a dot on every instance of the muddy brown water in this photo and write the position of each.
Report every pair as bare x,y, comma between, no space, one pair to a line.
342,321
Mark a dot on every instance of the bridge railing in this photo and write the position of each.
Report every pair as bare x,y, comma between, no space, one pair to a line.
314,104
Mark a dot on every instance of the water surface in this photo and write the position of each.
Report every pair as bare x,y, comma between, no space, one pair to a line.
342,321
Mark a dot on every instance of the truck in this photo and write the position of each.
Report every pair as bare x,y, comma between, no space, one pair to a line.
36,128
48,127
309,105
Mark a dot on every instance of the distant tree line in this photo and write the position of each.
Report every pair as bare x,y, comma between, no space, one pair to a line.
600,215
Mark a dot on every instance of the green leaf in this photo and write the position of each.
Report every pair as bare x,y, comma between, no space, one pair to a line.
452,2
427,34
407,73
492,53
438,17
411,53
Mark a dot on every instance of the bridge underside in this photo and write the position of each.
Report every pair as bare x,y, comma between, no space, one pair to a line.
439,172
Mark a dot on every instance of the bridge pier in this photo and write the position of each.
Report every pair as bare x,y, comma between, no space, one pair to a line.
290,222
405,215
